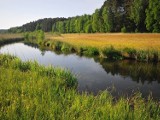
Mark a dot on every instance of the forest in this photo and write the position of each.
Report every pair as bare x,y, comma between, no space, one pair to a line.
114,16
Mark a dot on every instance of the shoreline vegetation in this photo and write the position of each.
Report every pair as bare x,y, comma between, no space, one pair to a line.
116,46
10,38
32,91
139,47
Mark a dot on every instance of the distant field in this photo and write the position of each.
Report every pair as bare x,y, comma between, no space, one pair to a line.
118,40
10,36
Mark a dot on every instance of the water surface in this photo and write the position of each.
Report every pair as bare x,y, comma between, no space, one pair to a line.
96,75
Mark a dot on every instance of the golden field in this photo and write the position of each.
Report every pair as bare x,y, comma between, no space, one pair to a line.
140,41
10,36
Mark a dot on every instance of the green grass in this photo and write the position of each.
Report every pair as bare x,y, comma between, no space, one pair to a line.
67,48
112,54
30,91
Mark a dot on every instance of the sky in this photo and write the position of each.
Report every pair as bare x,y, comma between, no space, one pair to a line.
18,12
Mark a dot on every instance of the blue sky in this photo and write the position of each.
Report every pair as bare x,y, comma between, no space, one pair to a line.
18,12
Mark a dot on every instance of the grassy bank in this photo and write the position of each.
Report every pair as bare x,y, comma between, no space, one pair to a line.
31,91
141,41
10,38
108,52
140,47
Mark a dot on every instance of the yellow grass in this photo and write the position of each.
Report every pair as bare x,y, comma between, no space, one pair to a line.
10,36
143,41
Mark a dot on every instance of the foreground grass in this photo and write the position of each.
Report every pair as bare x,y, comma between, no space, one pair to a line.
31,91
10,38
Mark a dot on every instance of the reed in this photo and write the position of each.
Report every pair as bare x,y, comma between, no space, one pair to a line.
112,53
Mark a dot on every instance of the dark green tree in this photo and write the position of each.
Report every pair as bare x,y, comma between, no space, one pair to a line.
138,15
108,19
61,27
80,24
54,29
38,27
95,21
153,16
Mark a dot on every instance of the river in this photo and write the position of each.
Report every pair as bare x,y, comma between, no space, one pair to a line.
94,74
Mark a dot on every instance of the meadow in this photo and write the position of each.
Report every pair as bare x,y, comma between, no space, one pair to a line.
10,38
139,41
116,46
32,91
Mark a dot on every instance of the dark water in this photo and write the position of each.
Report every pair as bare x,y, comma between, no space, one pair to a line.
94,75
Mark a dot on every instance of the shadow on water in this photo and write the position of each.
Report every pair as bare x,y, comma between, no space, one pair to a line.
96,74
138,71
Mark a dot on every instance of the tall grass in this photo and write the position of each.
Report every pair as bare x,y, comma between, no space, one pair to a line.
31,91
67,48
112,53
109,52
143,41
140,47
10,38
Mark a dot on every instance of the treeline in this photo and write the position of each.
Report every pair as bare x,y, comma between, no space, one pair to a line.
3,31
113,16
42,24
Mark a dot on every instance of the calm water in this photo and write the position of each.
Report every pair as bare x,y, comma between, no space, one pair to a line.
95,75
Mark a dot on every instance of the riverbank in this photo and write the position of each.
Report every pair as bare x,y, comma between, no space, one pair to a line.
139,47
31,91
10,38
137,41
